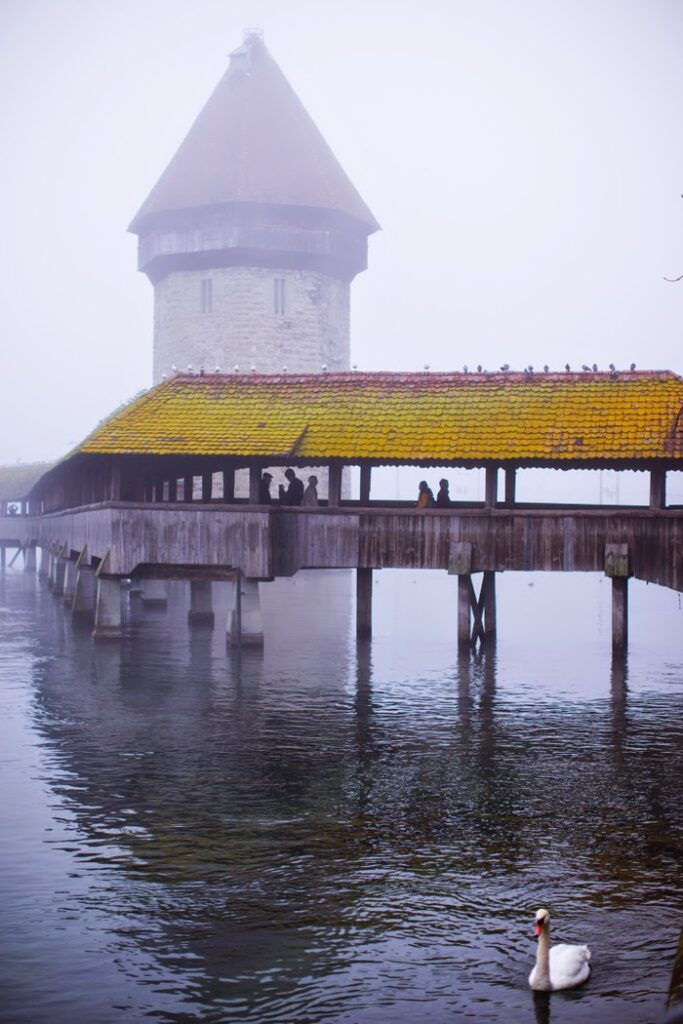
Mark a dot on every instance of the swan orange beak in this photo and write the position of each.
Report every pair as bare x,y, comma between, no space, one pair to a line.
538,928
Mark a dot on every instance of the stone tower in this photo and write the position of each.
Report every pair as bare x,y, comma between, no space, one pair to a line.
253,234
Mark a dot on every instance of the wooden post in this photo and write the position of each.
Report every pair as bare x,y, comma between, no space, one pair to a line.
365,474
464,583
619,613
3,558
363,603
254,484
207,487
657,487
488,597
491,487
173,489
188,487
334,484
510,484
229,484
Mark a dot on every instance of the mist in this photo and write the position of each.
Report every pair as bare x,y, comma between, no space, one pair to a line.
525,162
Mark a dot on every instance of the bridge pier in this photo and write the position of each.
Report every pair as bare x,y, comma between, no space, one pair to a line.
154,593
29,558
201,603
108,610
3,559
363,603
83,605
44,564
70,574
245,622
58,575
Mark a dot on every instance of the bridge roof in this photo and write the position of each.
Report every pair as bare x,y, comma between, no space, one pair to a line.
539,419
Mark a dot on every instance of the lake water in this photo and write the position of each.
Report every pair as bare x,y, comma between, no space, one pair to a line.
329,833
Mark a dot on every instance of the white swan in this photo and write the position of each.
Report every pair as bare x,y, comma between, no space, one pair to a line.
563,966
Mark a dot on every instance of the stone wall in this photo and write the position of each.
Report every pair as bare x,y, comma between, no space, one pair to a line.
250,316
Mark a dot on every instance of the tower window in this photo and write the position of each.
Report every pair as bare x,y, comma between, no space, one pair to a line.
205,295
279,304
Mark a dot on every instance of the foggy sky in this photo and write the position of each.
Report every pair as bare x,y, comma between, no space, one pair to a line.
525,161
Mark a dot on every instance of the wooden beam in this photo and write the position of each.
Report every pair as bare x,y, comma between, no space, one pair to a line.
207,487
188,487
365,475
657,487
510,484
254,484
229,484
334,484
491,487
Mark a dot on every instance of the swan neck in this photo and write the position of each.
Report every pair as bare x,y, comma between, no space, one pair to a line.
543,956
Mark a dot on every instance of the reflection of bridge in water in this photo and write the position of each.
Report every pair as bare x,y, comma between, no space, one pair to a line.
111,511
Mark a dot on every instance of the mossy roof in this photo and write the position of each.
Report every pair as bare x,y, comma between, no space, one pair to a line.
438,418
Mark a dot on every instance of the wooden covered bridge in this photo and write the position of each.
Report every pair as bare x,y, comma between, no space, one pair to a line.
151,493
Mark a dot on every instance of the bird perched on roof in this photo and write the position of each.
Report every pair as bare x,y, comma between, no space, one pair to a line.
595,367
465,368
505,367
216,369
567,367
612,367
479,368
633,366
586,368
546,368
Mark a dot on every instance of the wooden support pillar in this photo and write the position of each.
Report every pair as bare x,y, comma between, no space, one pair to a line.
254,484
3,558
619,614
617,569
464,610
658,487
229,484
173,489
365,475
363,603
334,484
488,598
491,487
207,487
108,610
476,613
201,603
188,487
510,484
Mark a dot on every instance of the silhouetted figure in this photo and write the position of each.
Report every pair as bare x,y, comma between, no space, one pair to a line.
310,499
425,498
294,493
443,498
264,496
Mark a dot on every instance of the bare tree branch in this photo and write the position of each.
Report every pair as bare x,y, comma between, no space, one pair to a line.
674,279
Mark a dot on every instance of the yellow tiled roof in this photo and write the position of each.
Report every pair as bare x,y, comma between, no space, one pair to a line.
390,417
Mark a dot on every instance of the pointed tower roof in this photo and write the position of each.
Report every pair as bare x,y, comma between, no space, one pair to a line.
254,142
